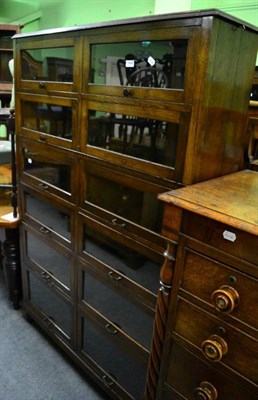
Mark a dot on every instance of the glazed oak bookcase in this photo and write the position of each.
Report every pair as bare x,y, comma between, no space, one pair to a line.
108,116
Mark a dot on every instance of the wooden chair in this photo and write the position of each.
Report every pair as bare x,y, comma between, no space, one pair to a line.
138,72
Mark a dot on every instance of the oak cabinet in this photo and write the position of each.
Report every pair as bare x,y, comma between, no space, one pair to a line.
108,117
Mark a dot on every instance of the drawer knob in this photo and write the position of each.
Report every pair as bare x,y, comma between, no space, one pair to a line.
206,391
214,348
225,299
126,92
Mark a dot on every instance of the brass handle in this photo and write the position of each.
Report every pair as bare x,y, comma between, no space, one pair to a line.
116,222
44,230
111,329
206,391
45,275
108,381
42,85
225,299
214,348
43,186
114,276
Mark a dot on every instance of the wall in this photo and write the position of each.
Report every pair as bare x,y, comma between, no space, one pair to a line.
246,10
59,13
166,6
43,14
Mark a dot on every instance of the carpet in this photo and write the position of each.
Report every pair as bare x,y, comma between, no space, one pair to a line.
30,367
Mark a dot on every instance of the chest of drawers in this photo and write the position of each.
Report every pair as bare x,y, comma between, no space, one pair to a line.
211,347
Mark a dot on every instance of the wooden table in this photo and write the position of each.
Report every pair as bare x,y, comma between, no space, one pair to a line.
10,253
9,221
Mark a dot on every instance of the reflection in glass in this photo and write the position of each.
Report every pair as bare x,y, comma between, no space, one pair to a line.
138,206
120,366
159,63
142,138
120,311
50,304
48,215
48,170
48,258
123,259
49,64
52,119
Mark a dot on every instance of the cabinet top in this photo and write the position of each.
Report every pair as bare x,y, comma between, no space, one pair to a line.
231,199
154,18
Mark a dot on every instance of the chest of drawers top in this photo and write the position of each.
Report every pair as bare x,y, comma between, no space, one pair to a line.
231,199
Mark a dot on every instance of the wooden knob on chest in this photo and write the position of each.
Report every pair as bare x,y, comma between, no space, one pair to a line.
225,299
214,348
206,391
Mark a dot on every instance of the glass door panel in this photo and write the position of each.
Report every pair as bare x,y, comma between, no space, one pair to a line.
142,63
53,119
123,259
47,171
121,368
119,310
55,264
57,311
48,64
132,203
132,136
52,220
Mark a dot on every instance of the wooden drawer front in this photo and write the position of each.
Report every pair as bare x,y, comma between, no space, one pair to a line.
197,326
182,383
122,365
214,282
241,245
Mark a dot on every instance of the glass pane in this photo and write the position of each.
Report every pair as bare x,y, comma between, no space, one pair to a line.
123,259
159,63
123,369
51,171
143,138
50,304
49,259
45,213
120,311
52,119
140,207
50,64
